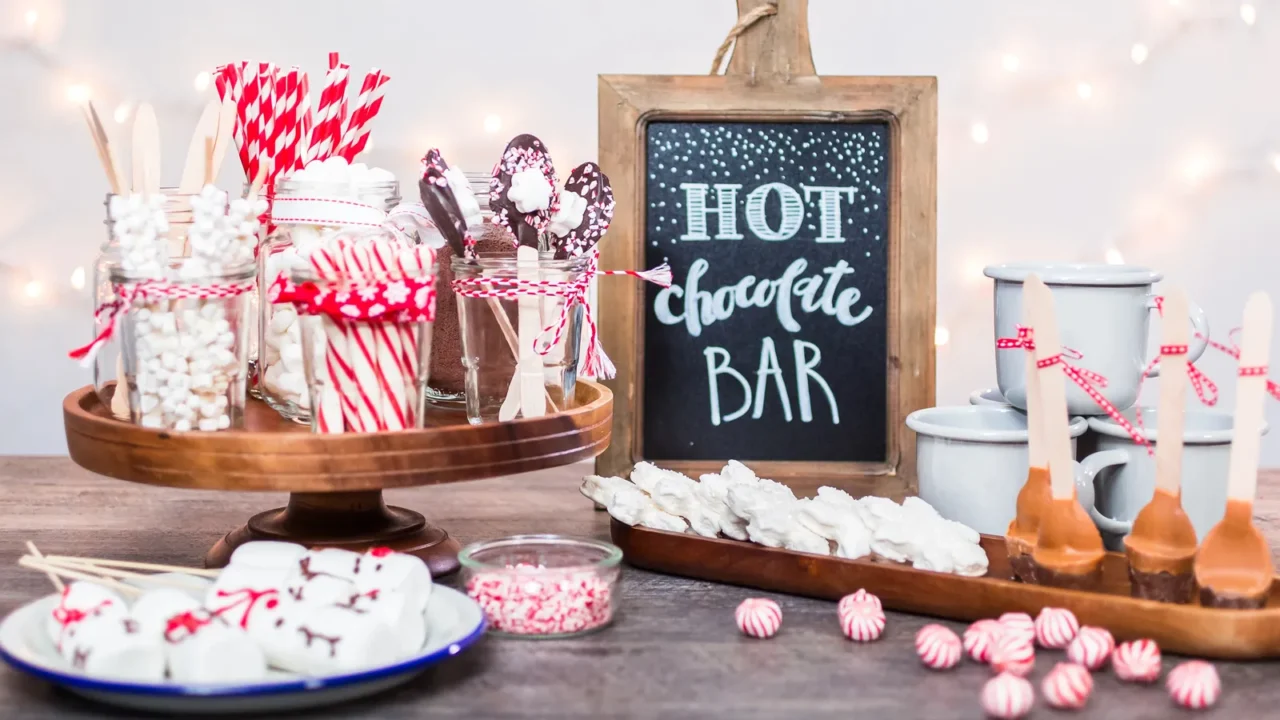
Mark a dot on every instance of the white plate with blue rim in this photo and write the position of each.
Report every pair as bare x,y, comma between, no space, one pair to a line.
453,621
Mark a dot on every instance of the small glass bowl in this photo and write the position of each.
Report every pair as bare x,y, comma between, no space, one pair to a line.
543,586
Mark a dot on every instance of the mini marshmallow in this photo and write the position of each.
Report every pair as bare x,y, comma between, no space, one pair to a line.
116,647
204,649
382,570
154,608
572,207
530,191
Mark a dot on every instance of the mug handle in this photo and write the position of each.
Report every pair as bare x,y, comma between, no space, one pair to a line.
1089,469
1199,340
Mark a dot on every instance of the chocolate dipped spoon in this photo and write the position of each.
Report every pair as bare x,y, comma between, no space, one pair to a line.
1020,538
1162,545
1068,550
1234,568
442,189
522,191
585,211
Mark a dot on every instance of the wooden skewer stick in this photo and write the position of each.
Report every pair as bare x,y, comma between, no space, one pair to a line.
34,564
153,579
57,582
209,143
133,565
258,181
103,147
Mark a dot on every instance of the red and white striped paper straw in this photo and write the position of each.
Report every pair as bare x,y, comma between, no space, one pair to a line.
356,136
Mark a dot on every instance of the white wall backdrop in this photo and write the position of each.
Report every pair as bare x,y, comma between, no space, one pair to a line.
1173,161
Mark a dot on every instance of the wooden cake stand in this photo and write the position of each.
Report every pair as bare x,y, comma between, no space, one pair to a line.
335,481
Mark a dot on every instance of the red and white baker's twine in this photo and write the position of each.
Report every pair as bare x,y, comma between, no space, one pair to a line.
1088,380
548,602
597,363
128,294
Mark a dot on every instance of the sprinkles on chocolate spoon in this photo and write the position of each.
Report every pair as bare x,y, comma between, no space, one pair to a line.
442,206
588,182
523,153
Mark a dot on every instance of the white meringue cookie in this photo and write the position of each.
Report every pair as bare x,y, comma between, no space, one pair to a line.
530,191
677,494
602,489
712,490
569,215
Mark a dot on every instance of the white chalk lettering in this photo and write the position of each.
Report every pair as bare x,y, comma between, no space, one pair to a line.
804,372
717,365
769,365
696,211
792,212
829,209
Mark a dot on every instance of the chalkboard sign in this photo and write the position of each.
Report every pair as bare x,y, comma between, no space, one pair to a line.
797,213
771,342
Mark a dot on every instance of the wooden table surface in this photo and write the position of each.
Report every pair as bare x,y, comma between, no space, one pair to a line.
673,651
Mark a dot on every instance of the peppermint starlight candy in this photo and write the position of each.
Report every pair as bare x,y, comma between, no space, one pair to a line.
1091,648
758,617
1067,686
586,209
1194,685
1056,628
1013,654
1019,624
862,622
938,647
522,192
860,597
1137,661
1007,696
980,639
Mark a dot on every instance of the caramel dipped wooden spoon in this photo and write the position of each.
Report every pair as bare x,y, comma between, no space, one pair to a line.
1234,568
1162,545
1021,536
1068,550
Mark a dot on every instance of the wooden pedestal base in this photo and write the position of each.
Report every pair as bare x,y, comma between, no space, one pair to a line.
348,520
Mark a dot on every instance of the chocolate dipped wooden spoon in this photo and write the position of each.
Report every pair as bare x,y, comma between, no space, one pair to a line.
1068,550
588,199
1233,567
1162,545
522,191
1020,538
441,203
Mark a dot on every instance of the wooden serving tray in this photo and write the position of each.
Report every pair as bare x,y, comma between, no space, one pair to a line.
1183,629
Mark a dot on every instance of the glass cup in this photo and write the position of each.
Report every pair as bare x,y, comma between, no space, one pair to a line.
490,329
281,378
108,363
184,358
363,375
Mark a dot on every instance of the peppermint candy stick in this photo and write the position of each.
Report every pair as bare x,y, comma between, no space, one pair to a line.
370,384
337,357
386,350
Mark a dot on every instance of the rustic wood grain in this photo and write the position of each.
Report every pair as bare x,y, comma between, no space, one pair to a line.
672,653
770,78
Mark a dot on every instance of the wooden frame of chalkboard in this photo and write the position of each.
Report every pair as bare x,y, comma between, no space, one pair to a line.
629,104
763,89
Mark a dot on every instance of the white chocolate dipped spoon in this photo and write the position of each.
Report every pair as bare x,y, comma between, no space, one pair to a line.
1035,494
1234,567
1068,550
1162,545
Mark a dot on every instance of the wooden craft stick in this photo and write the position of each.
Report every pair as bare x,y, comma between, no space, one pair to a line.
529,364
34,564
130,564
102,146
57,582
1251,394
196,167
1052,390
1173,393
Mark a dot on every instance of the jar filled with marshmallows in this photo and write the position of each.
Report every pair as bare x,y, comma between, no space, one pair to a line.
310,208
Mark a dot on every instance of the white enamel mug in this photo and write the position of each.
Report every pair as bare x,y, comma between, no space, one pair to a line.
989,397
972,462
1123,492
1104,313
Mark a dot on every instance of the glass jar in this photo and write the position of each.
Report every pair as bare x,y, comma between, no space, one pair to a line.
491,331
573,582
447,390
281,376
184,357
365,374
108,364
